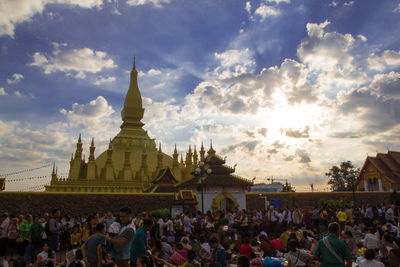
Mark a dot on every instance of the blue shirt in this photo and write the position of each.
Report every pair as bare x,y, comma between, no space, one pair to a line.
139,244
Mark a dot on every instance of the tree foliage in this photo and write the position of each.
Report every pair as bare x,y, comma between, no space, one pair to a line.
339,178
288,188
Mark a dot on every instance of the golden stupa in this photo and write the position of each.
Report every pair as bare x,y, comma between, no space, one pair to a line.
131,161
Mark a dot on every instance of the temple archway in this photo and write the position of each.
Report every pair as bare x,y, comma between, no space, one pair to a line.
224,201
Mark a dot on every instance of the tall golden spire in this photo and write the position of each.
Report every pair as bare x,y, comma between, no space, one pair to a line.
133,110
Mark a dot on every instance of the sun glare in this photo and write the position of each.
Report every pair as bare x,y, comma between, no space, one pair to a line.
283,117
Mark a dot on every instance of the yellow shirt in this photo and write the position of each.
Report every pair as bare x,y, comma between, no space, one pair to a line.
76,238
342,217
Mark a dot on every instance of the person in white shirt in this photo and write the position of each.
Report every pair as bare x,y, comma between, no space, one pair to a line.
369,260
187,226
161,226
371,241
170,226
389,214
46,256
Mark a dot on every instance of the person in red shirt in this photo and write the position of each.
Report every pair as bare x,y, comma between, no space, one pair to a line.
246,249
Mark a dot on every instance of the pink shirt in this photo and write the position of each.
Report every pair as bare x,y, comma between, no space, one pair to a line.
12,231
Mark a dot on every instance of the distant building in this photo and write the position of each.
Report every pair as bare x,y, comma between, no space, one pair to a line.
267,188
380,173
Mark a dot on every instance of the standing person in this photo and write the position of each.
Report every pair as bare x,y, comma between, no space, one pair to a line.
315,218
108,220
92,249
4,223
273,216
24,230
36,237
333,251
161,226
389,214
342,218
122,243
140,244
12,235
54,227
187,225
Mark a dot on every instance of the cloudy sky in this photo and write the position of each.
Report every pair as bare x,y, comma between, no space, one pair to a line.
284,88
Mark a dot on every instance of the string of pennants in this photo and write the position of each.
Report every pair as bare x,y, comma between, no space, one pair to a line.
27,170
26,178
34,188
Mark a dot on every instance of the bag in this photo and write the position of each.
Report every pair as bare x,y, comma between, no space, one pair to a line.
177,259
331,250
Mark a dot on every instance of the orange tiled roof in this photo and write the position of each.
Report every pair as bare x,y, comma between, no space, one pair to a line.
388,164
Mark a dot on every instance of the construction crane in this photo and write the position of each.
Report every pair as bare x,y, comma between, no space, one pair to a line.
272,179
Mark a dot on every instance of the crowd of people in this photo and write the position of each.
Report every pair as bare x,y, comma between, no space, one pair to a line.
366,236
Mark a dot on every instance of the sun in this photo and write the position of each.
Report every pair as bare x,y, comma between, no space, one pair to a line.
282,117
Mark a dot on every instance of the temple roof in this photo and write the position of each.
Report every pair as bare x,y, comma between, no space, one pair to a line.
164,182
214,179
221,175
387,165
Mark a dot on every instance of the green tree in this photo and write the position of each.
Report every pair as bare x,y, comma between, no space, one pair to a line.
288,188
341,177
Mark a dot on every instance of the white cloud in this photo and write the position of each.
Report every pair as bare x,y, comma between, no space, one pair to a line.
155,3
329,54
17,11
350,3
2,91
387,59
397,9
234,62
333,4
248,7
16,78
77,62
278,1
362,38
265,11
102,80
18,94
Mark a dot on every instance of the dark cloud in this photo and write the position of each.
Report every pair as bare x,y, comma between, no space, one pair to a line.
288,158
244,146
297,133
303,156
377,112
350,135
259,131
